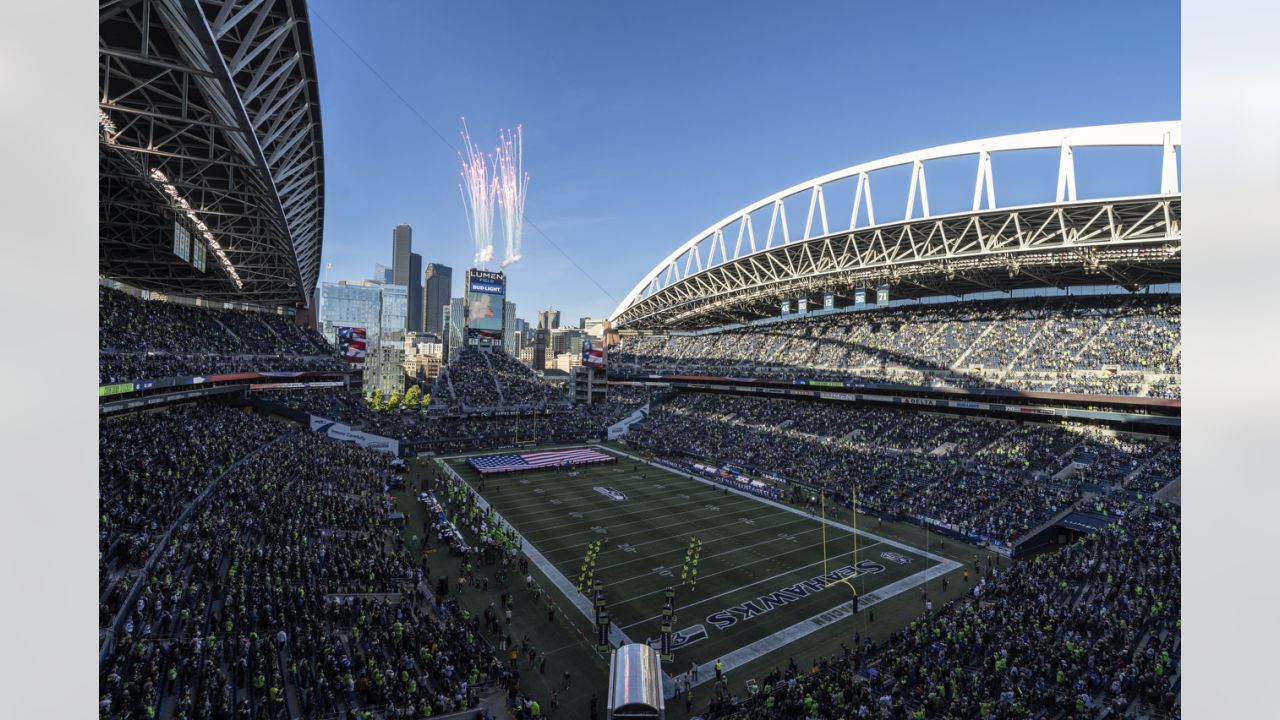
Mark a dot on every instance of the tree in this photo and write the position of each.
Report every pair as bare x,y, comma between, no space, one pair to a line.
426,400
413,397
375,400
393,402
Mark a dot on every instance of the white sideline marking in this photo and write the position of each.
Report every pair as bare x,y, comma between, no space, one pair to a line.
570,591
785,636
788,635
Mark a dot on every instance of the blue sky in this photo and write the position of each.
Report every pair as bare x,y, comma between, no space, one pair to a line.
645,122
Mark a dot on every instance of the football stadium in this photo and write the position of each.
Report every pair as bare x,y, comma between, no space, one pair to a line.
838,454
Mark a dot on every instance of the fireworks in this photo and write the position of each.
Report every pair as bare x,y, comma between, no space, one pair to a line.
477,190
510,185
500,182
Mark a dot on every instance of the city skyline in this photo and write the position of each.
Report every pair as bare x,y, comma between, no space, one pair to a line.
634,151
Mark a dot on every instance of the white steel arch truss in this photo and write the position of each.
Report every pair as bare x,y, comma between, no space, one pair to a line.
958,247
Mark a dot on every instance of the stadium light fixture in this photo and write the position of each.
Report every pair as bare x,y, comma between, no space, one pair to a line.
181,204
107,126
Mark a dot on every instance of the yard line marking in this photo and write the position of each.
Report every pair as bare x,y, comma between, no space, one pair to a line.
586,491
727,592
794,511
647,530
653,558
604,504
750,584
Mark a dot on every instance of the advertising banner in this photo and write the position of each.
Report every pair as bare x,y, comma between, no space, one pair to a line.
352,345
338,431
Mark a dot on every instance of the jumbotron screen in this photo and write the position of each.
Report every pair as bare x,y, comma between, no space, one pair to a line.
486,292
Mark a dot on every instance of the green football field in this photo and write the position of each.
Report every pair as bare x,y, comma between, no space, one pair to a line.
763,581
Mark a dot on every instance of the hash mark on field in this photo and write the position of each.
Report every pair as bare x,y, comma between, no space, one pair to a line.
575,515
554,501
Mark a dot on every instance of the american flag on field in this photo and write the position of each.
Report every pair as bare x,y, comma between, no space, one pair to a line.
488,464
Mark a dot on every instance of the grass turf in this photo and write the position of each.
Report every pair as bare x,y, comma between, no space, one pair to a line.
750,549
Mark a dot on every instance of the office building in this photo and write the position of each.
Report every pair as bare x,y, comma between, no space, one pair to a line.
540,337
415,293
509,328
405,273
593,327
562,340
401,247
438,284
548,319
454,316
381,274
382,310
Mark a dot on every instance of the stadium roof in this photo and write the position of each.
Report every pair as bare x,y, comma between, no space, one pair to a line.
742,267
209,116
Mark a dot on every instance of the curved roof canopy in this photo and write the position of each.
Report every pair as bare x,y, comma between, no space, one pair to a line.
209,118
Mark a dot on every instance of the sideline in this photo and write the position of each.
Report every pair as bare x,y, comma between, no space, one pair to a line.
759,648
570,591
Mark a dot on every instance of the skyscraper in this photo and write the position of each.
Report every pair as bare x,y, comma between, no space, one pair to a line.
548,319
401,247
439,287
415,293
406,274
453,319
509,328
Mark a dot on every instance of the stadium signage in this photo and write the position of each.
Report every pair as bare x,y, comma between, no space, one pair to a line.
681,638
491,288
731,616
611,493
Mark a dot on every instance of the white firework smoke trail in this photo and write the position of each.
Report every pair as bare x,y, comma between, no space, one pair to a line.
477,192
510,185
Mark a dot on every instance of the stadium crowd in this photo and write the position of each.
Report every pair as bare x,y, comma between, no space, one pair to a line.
1091,630
150,339
446,433
479,382
990,480
285,593
1105,344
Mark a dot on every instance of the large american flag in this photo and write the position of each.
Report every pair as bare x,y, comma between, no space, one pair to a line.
488,464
